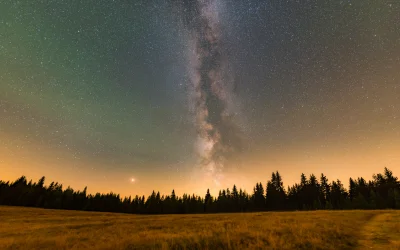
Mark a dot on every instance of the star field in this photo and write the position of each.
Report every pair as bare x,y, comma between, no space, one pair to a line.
103,93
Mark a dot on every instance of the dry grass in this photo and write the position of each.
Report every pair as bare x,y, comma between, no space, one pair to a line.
383,232
28,228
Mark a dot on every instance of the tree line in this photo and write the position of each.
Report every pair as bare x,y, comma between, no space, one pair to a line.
382,192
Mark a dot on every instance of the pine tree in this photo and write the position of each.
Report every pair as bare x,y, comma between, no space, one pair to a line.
208,202
275,193
397,198
303,180
328,205
352,189
235,199
381,192
324,191
359,202
313,192
391,201
372,203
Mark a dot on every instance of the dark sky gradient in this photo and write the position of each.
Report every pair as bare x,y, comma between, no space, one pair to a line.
98,92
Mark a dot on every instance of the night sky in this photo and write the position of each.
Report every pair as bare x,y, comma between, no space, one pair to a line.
131,96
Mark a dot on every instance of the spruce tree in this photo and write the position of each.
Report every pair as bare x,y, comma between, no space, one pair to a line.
397,198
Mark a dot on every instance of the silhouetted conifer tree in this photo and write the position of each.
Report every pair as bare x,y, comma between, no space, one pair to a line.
383,191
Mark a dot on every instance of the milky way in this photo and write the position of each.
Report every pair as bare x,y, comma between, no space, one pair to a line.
218,136
95,95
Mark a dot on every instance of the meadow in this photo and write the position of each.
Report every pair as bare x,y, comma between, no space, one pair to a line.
34,228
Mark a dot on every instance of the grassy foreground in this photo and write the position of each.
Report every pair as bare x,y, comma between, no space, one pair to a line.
30,228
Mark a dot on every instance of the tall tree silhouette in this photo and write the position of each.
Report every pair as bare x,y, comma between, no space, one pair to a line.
325,192
208,202
383,191
275,193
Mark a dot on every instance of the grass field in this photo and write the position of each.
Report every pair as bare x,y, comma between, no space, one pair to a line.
29,228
